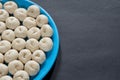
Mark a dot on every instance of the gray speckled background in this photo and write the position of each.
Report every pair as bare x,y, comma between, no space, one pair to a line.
89,39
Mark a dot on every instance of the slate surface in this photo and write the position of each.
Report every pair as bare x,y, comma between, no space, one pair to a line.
89,39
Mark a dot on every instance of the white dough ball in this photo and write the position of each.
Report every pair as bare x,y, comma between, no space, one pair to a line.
3,15
12,22
11,55
33,11
34,32
21,32
10,6
25,55
5,46
0,5
46,31
32,67
6,78
29,22
41,20
18,44
21,75
20,14
46,44
39,56
15,66
8,35
2,27
3,70
1,58
32,44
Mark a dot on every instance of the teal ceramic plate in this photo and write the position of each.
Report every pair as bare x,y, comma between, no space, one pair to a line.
51,56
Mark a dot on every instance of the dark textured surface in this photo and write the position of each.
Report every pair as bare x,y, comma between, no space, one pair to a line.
89,39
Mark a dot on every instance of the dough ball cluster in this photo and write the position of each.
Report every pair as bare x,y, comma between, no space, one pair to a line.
25,37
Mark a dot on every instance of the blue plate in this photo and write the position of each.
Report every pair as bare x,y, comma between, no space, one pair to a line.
51,55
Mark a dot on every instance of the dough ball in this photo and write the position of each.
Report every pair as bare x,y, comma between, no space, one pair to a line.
46,44
33,11
25,55
3,15
10,6
46,31
15,66
39,56
29,22
11,55
32,68
0,5
41,20
1,58
34,32
32,44
21,75
8,35
6,78
12,22
21,32
18,44
2,27
20,14
5,46
3,70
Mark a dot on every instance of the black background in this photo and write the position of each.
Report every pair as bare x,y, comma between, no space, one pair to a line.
89,39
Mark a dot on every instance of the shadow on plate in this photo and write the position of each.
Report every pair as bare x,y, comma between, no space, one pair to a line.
55,68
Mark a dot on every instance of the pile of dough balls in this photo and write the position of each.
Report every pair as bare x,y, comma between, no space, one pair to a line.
25,37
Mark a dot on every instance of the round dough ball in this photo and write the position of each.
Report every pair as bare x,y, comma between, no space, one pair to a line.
2,27
1,58
5,46
32,68
10,6
46,31
0,5
41,20
46,44
3,70
12,22
39,56
21,75
25,55
34,32
8,35
11,55
18,44
33,11
3,15
21,32
32,44
29,22
6,78
20,13
15,66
